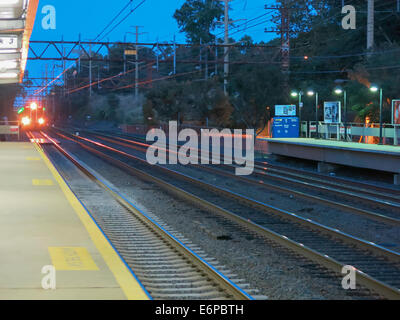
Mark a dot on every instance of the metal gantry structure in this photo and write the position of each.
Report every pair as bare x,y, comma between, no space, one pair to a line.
91,51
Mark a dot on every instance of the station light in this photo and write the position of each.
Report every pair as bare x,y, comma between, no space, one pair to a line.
8,64
8,75
26,121
8,2
294,94
338,90
374,88
310,93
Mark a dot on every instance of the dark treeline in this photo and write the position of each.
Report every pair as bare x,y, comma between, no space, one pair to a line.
322,56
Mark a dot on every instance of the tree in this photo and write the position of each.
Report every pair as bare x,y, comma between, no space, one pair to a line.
197,19
8,93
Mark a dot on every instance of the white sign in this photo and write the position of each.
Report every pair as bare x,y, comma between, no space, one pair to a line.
8,42
285,111
332,112
396,112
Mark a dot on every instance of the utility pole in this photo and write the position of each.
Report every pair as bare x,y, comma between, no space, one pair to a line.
206,63
46,93
79,60
158,58
370,25
226,43
216,56
174,54
125,54
201,55
285,42
90,70
63,65
137,61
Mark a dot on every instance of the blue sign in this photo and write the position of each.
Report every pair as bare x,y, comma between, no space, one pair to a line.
285,127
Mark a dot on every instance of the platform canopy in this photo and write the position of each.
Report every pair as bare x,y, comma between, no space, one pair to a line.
17,18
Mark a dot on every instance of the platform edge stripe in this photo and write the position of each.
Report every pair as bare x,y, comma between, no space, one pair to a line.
124,276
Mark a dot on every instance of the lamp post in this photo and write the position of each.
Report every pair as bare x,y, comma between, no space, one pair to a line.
375,89
311,93
299,94
340,91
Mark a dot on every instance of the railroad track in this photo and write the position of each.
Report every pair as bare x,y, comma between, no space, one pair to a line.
165,262
361,190
377,268
262,178
390,194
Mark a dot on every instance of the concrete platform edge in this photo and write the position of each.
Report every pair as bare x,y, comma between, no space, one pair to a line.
124,275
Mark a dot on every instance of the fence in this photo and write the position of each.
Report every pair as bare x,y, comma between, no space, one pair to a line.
9,128
356,132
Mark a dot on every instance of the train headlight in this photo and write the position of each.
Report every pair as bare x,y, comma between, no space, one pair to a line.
26,121
41,121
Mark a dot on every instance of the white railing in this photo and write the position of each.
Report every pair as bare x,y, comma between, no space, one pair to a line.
9,128
358,132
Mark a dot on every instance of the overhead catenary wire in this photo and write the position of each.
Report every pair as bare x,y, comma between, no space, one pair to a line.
106,79
159,79
124,18
115,18
65,70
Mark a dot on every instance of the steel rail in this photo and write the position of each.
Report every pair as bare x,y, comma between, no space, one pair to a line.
387,193
319,186
265,184
227,285
371,283
392,255
358,187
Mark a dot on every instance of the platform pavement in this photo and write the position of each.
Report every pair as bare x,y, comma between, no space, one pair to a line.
330,153
42,223
338,144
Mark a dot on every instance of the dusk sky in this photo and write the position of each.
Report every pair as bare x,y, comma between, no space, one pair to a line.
89,18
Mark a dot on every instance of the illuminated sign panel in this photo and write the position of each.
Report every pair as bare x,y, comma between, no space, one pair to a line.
332,112
9,42
285,110
396,112
130,52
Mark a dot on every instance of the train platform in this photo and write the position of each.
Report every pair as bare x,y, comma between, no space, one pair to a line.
51,248
329,153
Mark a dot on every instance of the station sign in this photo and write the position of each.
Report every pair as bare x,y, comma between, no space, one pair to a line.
285,127
332,112
9,42
130,52
396,112
285,111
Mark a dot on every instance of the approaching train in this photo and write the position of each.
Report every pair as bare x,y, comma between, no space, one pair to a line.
32,117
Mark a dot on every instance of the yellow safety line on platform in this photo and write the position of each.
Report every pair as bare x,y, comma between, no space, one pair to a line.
42,182
129,285
72,259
